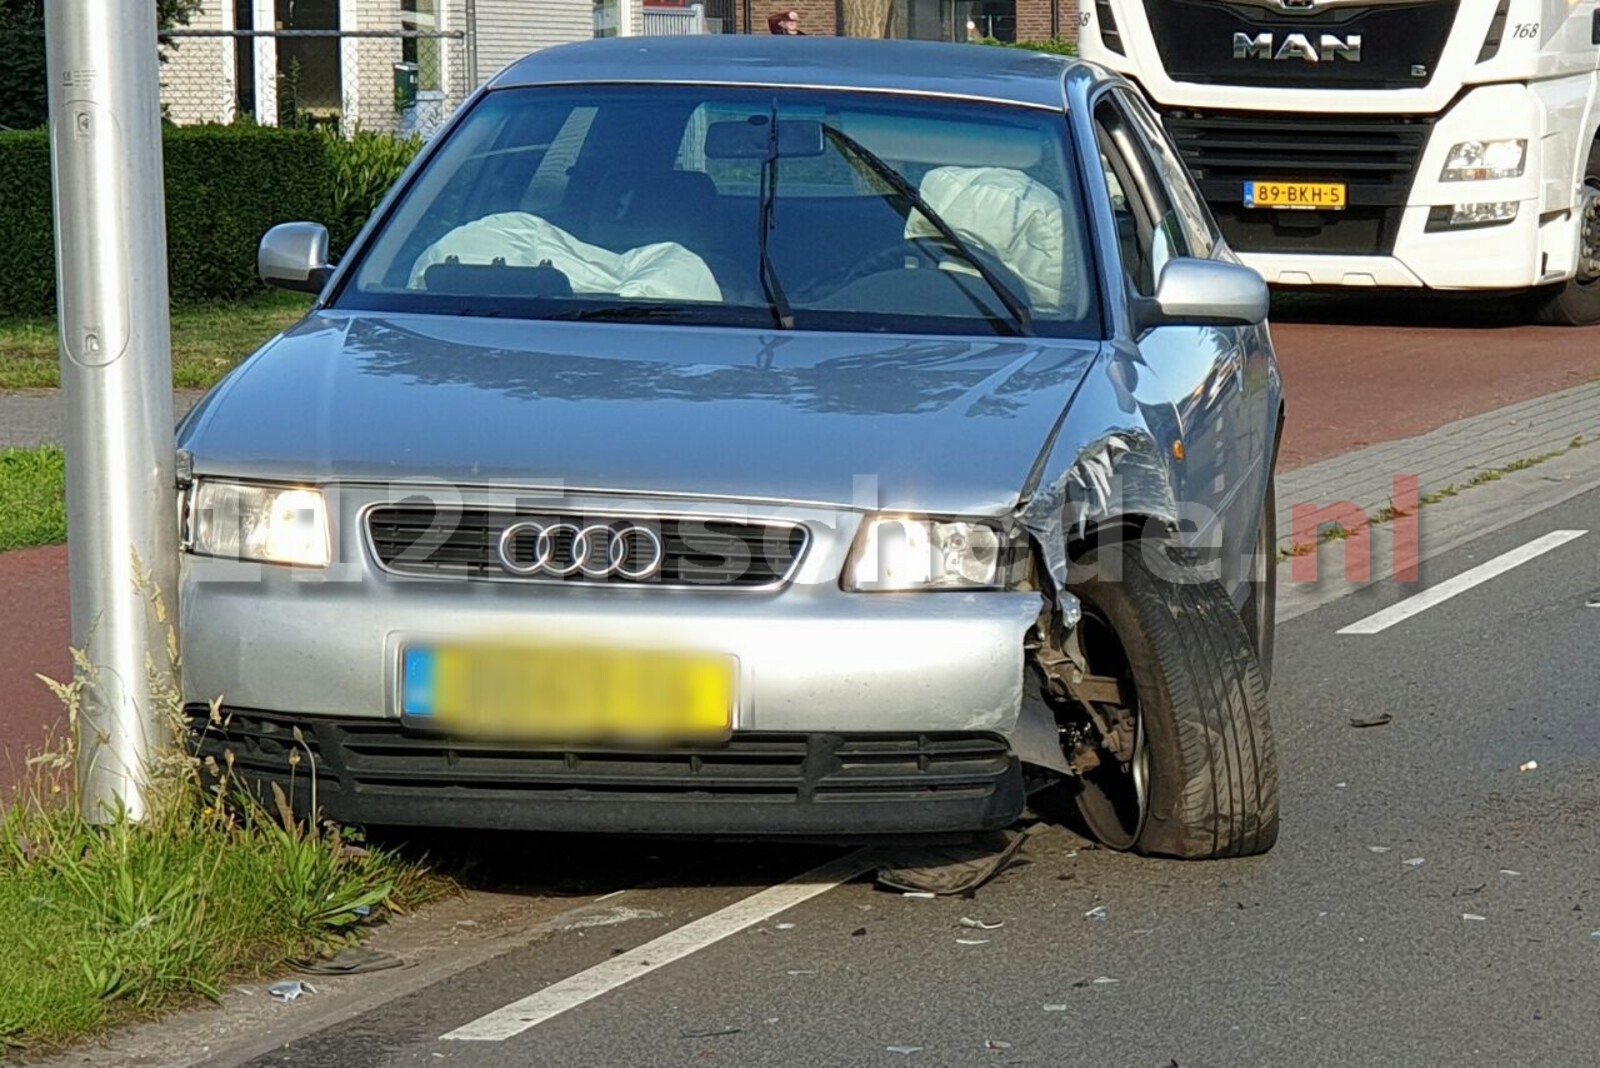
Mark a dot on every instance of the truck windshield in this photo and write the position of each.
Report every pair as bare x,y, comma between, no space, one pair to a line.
660,203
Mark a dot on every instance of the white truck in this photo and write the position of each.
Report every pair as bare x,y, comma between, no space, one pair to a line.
1449,144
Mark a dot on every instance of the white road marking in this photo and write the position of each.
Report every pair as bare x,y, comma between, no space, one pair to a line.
575,990
1396,613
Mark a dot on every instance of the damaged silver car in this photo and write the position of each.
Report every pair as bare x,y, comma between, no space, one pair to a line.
746,436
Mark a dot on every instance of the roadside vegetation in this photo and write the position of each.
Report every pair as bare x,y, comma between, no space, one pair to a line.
207,341
105,924
33,505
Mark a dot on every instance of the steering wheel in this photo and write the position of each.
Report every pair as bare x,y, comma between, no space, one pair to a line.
938,250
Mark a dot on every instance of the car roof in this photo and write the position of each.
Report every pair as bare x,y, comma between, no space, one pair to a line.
1009,75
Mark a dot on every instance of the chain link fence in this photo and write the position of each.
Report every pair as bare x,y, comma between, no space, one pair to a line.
398,81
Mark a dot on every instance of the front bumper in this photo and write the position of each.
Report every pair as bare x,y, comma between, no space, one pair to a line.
322,651
377,772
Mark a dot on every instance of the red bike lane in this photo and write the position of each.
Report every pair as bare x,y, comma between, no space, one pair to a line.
1356,381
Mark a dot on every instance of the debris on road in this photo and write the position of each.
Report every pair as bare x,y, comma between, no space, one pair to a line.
1382,719
1377,849
289,989
1509,871
1531,765
1104,979
711,1032
951,868
905,1051
351,960
1340,785
858,932
981,925
925,895
1055,1008
1414,862
1473,916
785,926
1096,913
994,1045
1467,891
802,971
972,941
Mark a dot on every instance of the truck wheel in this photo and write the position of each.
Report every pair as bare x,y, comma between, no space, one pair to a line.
1197,776
1577,303
1261,608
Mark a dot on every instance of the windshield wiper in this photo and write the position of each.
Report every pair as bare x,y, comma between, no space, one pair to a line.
624,313
1021,317
776,299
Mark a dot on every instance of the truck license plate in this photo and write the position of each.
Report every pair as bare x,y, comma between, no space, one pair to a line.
1301,196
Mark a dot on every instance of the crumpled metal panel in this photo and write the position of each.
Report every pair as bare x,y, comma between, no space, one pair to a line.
1113,456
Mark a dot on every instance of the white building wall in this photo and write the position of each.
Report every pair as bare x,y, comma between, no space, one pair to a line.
510,29
197,79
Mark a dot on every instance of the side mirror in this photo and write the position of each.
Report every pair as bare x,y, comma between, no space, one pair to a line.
1195,292
295,256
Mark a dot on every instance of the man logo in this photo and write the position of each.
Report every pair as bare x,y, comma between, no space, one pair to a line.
1328,48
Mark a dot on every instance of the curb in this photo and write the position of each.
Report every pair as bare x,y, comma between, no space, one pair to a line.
1450,456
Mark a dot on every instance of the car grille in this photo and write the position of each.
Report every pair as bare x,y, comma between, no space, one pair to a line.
368,756
1374,156
1401,43
418,539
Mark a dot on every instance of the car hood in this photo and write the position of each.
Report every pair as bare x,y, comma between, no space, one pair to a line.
943,425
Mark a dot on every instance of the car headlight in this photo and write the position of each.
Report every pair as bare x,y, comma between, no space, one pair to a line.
1477,161
270,524
896,552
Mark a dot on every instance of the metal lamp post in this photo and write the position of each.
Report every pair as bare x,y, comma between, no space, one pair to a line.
116,378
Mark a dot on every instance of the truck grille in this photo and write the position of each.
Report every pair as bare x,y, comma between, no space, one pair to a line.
418,539
1374,156
1400,43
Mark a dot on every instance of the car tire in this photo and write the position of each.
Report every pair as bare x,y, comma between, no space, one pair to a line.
1260,609
1205,765
1577,302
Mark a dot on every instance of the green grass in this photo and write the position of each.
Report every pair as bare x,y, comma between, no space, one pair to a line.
206,341
103,924
33,505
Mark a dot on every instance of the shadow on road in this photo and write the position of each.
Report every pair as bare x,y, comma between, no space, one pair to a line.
1401,308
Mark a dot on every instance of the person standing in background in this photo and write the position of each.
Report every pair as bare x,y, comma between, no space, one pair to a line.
785,24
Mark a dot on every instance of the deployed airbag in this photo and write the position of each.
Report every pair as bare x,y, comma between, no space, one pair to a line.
664,271
1018,219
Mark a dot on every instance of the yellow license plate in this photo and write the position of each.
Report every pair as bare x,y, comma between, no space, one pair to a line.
1305,196
568,694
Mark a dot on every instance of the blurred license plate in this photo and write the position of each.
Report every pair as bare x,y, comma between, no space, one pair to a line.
1308,196
568,694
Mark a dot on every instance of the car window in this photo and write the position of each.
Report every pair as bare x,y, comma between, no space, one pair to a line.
1193,215
646,201
1149,229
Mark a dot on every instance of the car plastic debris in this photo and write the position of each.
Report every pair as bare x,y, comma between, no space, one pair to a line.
1531,765
924,894
1509,871
1104,979
802,971
1473,917
1414,862
711,1032
289,989
785,926
904,1051
1377,849
981,925
952,868
995,1045
1096,913
1055,1008
972,941
1382,719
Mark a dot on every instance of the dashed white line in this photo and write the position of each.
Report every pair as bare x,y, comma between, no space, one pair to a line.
575,990
1396,613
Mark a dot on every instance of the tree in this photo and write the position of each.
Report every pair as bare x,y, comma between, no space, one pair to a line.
23,101
867,18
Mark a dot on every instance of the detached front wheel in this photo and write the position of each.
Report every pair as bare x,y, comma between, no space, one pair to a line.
1170,726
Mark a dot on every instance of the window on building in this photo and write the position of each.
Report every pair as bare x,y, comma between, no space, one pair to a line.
607,17
422,16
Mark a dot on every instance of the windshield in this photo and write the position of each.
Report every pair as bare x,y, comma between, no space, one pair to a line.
790,209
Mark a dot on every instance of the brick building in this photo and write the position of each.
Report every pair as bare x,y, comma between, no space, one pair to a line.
935,20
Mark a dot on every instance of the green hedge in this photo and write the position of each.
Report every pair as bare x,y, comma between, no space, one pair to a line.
226,185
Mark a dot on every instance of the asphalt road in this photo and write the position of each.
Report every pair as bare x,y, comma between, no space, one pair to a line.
1429,903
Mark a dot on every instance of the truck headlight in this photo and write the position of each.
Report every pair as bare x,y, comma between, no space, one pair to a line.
898,552
1477,161
266,523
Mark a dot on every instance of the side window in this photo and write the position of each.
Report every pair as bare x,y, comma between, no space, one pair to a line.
1148,227
1193,215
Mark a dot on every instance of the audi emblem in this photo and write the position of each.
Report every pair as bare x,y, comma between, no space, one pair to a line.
598,551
